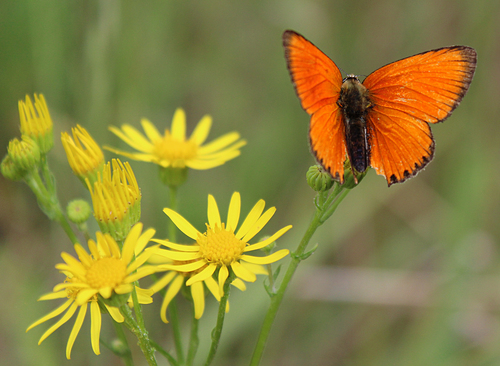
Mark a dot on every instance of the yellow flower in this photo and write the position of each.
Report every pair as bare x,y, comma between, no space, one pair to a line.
175,280
84,155
105,271
221,246
36,122
25,153
116,199
172,150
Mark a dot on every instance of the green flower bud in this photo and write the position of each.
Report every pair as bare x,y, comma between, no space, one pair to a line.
319,179
78,211
10,170
25,153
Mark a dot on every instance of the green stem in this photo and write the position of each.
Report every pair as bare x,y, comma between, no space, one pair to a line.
325,209
172,229
142,335
174,320
125,354
217,331
193,341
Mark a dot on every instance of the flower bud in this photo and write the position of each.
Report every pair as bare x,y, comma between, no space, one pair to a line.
25,153
318,179
78,211
11,170
36,122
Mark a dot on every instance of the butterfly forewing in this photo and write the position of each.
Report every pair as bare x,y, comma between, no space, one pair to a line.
317,81
406,96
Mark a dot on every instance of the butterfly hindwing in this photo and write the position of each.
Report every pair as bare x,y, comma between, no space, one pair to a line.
406,96
317,81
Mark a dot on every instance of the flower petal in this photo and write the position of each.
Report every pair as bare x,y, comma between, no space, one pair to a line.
259,225
268,241
164,281
148,157
201,130
178,256
128,250
251,218
76,329
233,214
213,213
182,223
267,259
223,275
60,322
144,239
203,275
198,295
141,144
179,125
213,287
95,326
179,247
173,290
52,314
242,272
219,143
239,284
150,130
187,267
115,313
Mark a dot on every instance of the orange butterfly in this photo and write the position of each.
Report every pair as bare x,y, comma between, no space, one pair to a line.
384,121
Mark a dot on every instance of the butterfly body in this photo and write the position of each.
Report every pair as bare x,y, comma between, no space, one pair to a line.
354,103
382,122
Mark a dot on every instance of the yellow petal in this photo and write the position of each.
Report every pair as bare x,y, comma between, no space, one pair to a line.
207,272
76,329
179,125
198,295
213,213
268,241
201,130
173,290
52,314
267,259
60,322
242,272
233,214
261,222
219,143
223,274
150,130
95,326
182,223
251,218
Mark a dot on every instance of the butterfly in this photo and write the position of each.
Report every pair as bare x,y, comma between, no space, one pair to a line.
382,122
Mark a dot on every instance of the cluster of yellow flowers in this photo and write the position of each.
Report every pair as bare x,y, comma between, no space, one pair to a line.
120,255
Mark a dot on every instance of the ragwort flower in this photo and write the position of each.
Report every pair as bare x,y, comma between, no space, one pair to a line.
173,150
116,199
105,271
221,247
36,122
84,154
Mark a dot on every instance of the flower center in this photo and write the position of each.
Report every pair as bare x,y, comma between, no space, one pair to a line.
175,151
106,272
220,246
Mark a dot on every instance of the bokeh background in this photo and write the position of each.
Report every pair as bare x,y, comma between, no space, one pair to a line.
406,275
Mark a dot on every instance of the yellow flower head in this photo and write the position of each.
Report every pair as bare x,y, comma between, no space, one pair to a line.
106,270
25,153
36,122
173,150
116,198
221,246
84,155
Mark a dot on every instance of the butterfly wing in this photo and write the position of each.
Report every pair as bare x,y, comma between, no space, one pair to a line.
317,81
407,95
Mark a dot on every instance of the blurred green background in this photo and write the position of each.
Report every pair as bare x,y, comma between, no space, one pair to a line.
407,275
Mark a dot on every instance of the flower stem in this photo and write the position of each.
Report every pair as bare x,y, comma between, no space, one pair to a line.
125,354
174,320
325,206
142,335
193,342
217,331
173,206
